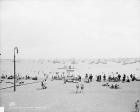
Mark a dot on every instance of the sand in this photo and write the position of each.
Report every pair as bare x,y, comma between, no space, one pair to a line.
60,97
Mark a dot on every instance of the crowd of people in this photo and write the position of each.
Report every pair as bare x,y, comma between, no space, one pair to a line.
78,79
88,77
117,78
18,77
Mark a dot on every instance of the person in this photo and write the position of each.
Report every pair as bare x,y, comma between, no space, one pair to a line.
112,86
44,84
127,80
119,77
137,106
104,77
124,77
131,76
65,80
116,86
79,78
106,84
90,78
82,87
77,87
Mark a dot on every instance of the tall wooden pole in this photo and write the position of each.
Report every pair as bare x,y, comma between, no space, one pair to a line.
15,68
14,72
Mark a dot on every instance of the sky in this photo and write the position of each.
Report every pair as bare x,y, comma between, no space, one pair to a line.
43,29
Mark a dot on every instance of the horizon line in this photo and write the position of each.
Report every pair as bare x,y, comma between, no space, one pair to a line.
69,58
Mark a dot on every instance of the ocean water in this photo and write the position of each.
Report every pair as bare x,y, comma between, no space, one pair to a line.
38,68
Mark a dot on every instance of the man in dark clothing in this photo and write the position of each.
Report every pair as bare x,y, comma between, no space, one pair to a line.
90,78
104,77
119,77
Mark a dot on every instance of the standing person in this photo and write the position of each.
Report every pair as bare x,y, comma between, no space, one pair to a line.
90,78
42,84
82,87
79,78
131,76
119,77
45,83
65,80
97,78
104,77
100,78
77,87
137,106
109,78
124,77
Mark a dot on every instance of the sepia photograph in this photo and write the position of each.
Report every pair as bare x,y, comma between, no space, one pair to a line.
69,55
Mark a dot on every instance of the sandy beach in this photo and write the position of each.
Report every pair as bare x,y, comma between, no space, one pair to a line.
60,97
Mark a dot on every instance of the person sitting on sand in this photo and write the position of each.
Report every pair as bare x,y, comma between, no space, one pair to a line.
127,80
79,78
112,86
137,106
106,84
116,86
77,87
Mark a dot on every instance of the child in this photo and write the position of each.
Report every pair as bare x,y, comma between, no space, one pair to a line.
45,83
77,87
82,87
